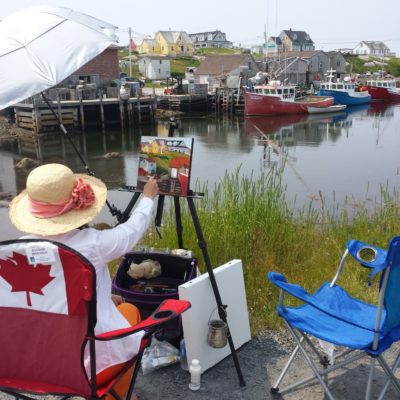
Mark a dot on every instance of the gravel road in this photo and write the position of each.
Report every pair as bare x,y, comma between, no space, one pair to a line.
261,361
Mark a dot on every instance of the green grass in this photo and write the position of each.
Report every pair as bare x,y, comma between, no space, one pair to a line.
355,64
178,65
250,219
216,50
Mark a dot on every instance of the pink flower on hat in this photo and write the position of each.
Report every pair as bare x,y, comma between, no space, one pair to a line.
82,194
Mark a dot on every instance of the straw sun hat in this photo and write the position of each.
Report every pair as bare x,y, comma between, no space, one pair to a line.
49,187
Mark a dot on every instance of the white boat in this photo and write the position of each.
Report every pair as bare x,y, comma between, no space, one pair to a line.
328,109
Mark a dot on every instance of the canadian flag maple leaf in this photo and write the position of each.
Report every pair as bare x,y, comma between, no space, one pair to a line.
24,277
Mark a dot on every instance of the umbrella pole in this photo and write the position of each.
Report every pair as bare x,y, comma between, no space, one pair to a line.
113,210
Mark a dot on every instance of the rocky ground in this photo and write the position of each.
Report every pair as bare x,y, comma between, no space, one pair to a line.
8,131
261,361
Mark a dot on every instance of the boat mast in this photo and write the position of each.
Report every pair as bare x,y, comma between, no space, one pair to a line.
330,76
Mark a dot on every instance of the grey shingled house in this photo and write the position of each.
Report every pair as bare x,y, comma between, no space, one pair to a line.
226,70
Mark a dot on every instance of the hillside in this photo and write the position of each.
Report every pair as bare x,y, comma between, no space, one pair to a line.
355,64
178,65
364,64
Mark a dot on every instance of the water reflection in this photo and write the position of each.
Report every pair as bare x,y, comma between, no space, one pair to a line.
341,155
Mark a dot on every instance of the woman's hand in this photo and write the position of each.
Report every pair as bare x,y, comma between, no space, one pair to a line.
117,300
151,188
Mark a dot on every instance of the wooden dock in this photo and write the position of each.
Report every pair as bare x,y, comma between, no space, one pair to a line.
229,101
36,116
183,102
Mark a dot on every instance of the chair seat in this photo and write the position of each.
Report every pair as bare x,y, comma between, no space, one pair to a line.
336,317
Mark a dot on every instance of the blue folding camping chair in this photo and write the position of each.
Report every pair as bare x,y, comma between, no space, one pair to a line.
333,316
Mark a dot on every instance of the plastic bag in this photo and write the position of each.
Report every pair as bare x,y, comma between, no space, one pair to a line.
329,349
159,354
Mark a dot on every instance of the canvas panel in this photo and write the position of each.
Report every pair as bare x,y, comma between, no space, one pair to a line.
169,160
199,293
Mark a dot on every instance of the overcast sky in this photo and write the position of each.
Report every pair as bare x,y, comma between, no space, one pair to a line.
331,24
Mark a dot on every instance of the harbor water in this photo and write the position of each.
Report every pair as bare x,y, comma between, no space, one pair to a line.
332,159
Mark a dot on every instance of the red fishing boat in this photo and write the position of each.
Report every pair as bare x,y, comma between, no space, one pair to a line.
275,98
382,89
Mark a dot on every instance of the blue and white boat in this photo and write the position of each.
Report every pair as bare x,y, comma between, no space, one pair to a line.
344,92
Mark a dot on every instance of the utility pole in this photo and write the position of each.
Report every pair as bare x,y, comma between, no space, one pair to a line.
265,42
130,51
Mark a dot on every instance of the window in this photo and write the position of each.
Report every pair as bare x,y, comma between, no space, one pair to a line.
182,49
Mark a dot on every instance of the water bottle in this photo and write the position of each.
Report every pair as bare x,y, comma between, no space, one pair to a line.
195,374
182,353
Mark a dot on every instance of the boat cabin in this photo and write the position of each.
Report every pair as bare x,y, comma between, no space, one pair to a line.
343,86
381,83
284,92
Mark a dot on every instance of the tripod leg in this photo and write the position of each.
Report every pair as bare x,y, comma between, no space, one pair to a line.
178,220
221,307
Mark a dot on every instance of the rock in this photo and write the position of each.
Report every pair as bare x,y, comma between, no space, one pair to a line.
113,154
27,163
7,196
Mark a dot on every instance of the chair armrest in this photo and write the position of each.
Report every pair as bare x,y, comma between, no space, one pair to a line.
295,290
167,310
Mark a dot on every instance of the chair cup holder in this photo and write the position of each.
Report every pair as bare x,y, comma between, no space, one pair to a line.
367,254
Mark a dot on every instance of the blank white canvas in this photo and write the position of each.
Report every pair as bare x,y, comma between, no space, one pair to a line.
199,292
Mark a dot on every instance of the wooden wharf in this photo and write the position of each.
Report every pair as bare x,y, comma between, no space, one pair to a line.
79,114
34,114
227,100
183,102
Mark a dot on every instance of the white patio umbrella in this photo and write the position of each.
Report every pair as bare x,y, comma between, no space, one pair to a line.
41,46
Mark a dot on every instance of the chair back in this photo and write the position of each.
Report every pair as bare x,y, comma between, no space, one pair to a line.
47,310
392,297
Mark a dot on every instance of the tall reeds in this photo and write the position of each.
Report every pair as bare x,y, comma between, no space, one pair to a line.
249,218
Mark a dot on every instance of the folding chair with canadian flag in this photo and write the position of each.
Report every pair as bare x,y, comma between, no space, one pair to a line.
48,316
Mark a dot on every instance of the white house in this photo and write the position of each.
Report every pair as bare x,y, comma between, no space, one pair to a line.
378,49
155,67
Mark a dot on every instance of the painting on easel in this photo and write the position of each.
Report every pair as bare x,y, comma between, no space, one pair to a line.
169,160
